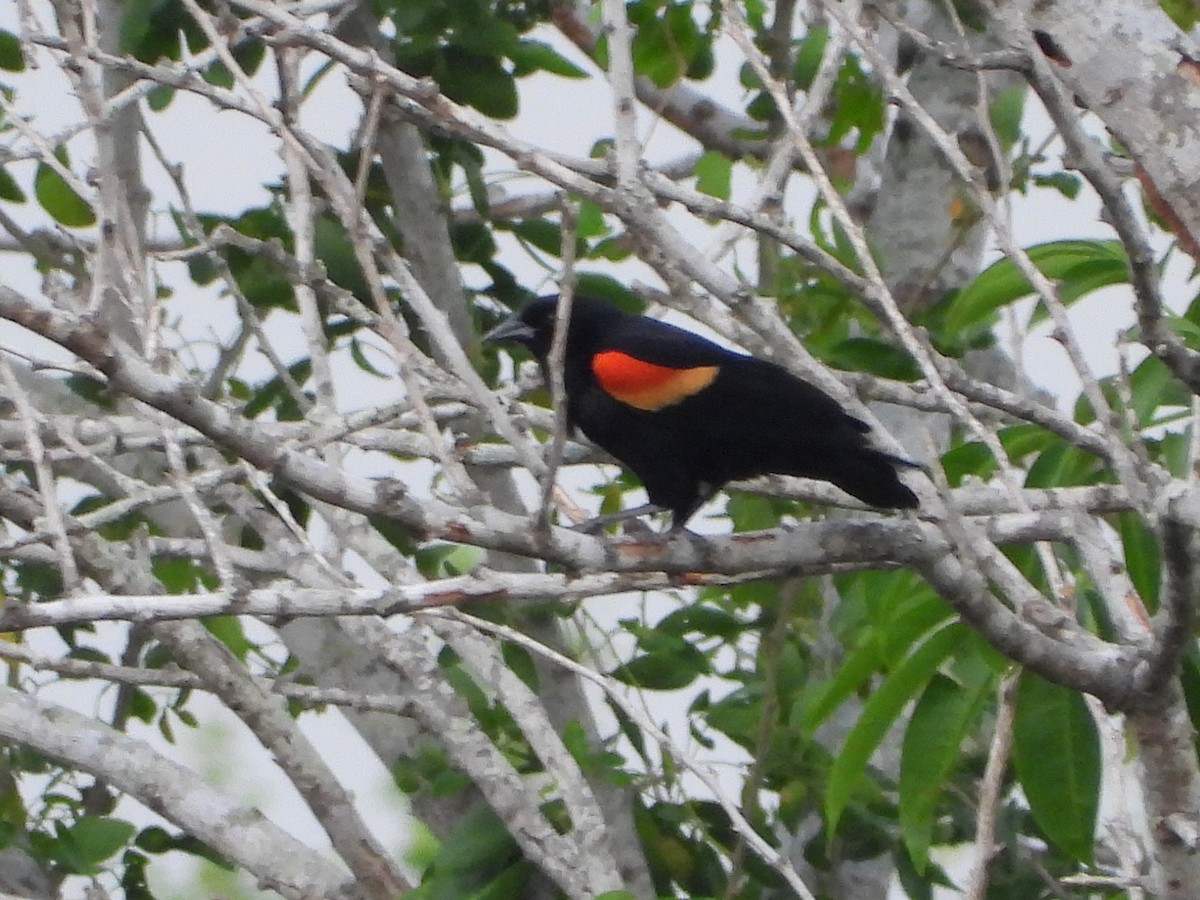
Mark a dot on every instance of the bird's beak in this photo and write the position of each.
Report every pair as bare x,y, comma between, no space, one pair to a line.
511,331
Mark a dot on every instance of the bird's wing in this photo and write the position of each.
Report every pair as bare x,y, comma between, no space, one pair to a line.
646,385
650,365
753,383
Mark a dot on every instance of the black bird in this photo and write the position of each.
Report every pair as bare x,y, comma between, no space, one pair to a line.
686,415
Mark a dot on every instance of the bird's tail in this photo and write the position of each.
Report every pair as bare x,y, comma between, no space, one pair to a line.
870,475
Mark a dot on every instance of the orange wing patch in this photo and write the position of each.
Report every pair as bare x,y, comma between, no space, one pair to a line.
645,385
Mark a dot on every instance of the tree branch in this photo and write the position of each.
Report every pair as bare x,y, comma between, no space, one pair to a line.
240,833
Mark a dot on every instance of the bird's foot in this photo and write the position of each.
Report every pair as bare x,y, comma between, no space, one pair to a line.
628,516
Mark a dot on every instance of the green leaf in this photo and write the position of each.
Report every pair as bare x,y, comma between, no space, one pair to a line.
36,581
218,74
590,221
58,198
1142,558
159,98
508,884
228,630
916,886
701,618
151,29
9,189
274,393
751,513
154,839
478,842
808,59
967,459
1082,280
903,620
336,252
670,664
703,63
878,713
1001,283
1021,440
714,172
473,242
422,847
654,57
665,48
1062,465
447,560
1005,114
939,722
90,654
528,56
96,838
1065,183
737,715
1056,754
358,354
856,668
478,81
250,55
899,615
478,31
1189,679
11,59
430,559
541,233
1184,13
859,106
1152,386
142,705
862,354
395,534
178,575
598,284
1186,328
137,22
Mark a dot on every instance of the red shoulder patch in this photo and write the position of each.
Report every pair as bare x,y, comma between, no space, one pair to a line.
646,385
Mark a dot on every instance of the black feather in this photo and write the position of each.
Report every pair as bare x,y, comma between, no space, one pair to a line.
753,418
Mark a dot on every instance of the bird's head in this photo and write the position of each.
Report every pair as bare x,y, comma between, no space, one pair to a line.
592,319
532,326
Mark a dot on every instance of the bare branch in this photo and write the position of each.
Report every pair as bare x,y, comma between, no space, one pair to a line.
443,712
239,833
991,786
587,820
270,722
46,483
556,359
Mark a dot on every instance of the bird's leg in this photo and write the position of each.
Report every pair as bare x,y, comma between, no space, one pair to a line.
599,522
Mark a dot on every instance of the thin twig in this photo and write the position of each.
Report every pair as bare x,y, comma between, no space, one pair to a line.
557,357
44,475
991,785
301,211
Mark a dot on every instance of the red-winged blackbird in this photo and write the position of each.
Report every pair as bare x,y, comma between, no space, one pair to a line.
687,416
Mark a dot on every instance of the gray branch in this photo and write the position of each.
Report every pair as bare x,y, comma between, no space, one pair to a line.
240,833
